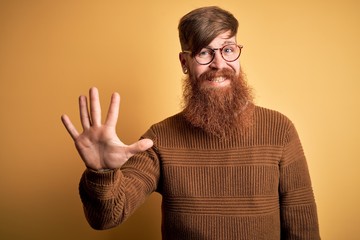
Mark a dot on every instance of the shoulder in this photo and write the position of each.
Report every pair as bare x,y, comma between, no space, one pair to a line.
273,126
169,126
269,116
171,122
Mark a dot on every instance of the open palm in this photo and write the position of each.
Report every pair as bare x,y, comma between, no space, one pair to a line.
98,144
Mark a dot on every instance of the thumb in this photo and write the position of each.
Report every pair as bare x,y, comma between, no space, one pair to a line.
140,146
144,144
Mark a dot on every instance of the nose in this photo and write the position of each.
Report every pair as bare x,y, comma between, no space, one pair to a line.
218,62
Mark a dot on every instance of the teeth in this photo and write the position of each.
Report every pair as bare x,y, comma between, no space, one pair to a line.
218,79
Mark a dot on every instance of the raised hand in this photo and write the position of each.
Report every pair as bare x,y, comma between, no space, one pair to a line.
98,144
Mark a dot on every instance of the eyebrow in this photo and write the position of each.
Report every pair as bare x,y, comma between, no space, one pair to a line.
224,43
229,42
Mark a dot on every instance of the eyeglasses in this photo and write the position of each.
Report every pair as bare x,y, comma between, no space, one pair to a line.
229,52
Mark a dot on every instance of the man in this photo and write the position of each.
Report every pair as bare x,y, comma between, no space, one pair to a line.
226,169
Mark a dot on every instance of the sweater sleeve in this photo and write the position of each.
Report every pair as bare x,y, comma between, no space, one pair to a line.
298,209
110,197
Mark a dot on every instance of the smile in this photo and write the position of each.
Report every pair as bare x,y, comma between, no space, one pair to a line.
218,79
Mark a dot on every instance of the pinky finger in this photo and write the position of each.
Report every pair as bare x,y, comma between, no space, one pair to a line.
69,127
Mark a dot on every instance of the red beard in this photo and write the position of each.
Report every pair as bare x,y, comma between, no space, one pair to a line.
218,111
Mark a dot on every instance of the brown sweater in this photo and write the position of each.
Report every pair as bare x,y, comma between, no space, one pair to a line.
254,186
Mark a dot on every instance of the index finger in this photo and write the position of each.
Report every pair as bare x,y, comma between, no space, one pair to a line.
113,112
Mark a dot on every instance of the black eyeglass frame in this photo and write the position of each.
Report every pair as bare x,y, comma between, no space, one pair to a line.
213,55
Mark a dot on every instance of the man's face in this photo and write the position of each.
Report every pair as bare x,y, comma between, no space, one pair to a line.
217,98
196,70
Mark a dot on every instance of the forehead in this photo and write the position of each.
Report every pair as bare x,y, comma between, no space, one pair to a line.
222,39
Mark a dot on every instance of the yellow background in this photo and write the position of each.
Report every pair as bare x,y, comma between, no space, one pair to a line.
301,57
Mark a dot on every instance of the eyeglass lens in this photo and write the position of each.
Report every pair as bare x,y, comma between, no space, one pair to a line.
229,53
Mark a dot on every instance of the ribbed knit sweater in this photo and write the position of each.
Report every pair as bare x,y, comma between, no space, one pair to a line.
255,185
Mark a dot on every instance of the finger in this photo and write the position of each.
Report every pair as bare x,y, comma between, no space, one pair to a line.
69,127
95,109
113,113
139,146
84,112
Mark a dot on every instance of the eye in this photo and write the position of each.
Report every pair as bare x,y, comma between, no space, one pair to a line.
229,49
205,53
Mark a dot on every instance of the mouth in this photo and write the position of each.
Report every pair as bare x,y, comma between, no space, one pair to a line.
218,79
217,82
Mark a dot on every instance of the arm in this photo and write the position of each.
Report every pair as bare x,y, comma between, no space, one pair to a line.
110,197
103,192
298,209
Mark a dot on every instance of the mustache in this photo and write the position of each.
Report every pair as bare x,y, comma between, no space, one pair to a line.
212,73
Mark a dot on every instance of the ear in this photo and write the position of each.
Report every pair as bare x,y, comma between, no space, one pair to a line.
183,62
